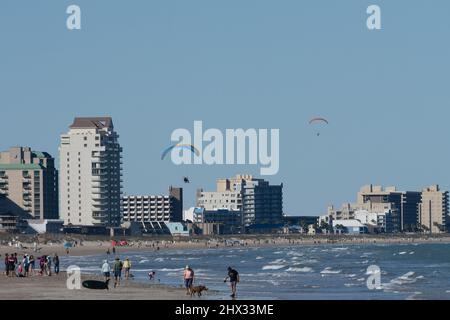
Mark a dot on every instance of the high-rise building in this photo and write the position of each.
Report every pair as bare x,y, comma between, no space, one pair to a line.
29,180
91,173
433,211
158,208
258,201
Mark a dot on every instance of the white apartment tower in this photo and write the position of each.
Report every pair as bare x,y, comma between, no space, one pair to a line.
91,174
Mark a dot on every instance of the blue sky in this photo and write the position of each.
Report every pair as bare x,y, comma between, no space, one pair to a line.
155,66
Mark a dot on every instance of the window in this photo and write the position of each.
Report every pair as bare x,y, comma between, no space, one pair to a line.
85,138
85,145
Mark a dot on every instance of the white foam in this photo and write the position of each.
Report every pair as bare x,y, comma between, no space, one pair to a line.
278,261
402,253
170,270
159,259
305,270
144,261
273,267
330,271
259,258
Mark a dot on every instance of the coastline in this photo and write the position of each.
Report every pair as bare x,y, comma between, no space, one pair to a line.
90,247
55,288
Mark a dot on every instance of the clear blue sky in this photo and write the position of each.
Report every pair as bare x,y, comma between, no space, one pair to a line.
155,66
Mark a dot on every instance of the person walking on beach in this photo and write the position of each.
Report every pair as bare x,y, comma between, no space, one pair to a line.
25,265
42,265
15,263
233,275
31,265
56,263
7,264
48,266
106,270
127,268
11,266
118,266
114,250
188,279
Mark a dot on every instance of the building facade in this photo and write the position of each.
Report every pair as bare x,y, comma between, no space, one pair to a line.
225,221
158,208
434,211
29,181
399,208
258,201
91,173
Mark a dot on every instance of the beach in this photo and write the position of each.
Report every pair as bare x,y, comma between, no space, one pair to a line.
271,267
55,288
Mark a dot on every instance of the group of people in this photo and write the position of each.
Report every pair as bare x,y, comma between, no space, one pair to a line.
232,276
119,266
27,265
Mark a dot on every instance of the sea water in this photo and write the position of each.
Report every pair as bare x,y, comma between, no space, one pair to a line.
408,271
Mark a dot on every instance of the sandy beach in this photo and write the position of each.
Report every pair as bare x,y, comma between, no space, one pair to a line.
55,288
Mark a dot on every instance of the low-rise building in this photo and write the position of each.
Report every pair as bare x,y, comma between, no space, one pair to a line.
225,221
154,208
349,227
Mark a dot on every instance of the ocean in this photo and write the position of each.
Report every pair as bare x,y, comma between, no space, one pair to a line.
324,272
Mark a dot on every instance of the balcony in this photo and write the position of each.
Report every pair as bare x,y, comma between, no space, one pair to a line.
99,179
99,190
27,203
100,204
99,197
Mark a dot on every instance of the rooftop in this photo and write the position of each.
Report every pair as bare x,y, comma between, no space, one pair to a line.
92,122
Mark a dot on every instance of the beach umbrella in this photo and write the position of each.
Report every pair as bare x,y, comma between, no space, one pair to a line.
67,245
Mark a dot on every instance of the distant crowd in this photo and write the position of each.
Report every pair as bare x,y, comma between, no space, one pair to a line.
28,265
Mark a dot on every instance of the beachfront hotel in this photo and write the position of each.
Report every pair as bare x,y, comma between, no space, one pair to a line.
257,200
28,184
90,174
154,208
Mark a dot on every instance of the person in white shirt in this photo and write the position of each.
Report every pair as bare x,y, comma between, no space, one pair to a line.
106,270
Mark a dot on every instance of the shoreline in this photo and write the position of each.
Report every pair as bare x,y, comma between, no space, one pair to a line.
90,247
